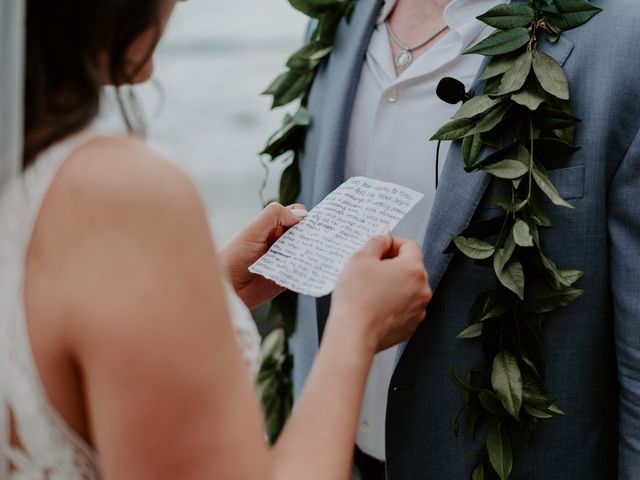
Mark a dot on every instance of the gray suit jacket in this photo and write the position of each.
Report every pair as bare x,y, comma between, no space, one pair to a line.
593,346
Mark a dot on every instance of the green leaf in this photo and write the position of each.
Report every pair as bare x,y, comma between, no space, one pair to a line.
287,138
553,118
309,57
473,412
497,304
471,148
544,300
283,311
571,276
460,383
499,450
509,206
542,180
472,331
273,344
554,148
507,169
478,472
514,79
558,279
490,402
516,183
555,410
498,66
530,363
503,255
538,215
491,119
473,248
551,75
314,8
506,380
528,98
502,42
505,17
288,87
553,33
511,276
522,234
537,413
273,382
290,184
474,314
515,151
572,14
454,130
491,86
539,406
492,139
476,106
567,135
478,229
534,399
533,229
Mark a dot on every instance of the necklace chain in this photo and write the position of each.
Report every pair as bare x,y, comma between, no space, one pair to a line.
405,57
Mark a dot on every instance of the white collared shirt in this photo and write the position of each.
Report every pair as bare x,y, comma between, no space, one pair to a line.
392,121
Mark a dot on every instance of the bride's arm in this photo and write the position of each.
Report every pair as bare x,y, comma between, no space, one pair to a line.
369,314
167,392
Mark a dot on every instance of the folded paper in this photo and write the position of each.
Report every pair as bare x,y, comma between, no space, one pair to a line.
309,257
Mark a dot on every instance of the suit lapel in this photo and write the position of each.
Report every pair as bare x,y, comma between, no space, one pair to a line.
343,74
459,193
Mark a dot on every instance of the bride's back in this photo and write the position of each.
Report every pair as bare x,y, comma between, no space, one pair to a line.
107,269
97,233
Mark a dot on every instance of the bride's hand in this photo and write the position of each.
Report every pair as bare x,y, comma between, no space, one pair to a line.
382,294
250,244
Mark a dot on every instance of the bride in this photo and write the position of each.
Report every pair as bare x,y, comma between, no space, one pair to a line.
122,353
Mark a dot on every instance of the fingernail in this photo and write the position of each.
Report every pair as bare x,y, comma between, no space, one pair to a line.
300,213
382,231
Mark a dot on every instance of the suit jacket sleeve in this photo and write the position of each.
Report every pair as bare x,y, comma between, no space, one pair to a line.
624,250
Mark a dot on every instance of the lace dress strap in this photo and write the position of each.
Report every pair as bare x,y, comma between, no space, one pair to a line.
35,441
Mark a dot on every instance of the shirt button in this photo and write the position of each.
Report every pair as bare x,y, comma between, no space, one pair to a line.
392,96
365,427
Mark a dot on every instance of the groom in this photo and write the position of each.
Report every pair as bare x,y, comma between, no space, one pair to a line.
373,114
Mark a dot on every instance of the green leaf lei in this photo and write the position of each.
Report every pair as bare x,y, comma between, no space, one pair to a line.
274,378
524,118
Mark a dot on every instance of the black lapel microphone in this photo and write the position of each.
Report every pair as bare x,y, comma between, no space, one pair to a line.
452,91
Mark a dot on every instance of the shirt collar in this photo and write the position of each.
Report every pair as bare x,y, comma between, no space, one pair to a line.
459,15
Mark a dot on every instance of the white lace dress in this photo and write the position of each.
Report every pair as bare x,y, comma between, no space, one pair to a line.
35,441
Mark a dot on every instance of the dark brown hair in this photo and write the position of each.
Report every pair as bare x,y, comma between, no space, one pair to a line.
66,40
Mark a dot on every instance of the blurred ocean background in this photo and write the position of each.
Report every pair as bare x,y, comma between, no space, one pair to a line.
204,107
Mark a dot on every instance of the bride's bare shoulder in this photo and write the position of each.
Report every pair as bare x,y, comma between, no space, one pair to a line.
120,184
117,214
118,169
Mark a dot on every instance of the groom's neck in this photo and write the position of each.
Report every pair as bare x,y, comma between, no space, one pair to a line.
413,20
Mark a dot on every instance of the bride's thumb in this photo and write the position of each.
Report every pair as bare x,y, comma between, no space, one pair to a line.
380,243
275,215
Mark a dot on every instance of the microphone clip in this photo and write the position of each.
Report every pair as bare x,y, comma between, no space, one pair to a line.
453,91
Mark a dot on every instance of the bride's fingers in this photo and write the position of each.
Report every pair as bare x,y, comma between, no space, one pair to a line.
275,216
297,206
298,210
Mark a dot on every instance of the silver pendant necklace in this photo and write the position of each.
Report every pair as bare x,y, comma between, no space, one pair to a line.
405,57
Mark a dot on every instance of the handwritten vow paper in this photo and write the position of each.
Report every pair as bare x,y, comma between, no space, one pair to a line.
309,257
